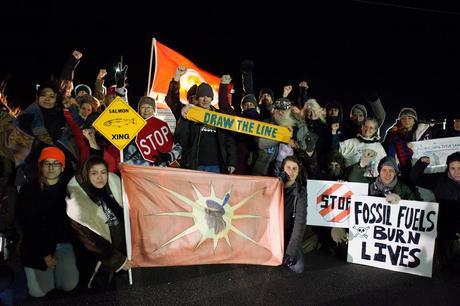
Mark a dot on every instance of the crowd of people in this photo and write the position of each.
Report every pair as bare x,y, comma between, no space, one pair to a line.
61,211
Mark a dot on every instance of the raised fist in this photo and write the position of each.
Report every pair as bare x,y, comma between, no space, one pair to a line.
247,66
77,54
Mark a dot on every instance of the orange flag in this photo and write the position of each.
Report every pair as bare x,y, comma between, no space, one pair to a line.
185,217
166,62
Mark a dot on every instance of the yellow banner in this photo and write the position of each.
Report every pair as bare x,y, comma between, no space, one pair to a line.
239,124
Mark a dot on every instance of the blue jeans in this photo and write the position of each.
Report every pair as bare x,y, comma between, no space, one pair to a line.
213,169
64,276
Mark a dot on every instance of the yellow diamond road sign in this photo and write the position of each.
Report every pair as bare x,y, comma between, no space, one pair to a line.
119,123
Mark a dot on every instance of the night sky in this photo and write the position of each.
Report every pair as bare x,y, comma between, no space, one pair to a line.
411,57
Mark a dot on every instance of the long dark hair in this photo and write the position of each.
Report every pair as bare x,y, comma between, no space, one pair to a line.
82,176
294,159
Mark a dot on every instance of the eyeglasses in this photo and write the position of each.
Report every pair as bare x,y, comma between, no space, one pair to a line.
52,165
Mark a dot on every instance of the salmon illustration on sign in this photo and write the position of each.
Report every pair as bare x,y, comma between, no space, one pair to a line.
119,122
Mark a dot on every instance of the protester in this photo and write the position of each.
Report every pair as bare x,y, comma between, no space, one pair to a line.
13,283
386,185
132,155
446,187
366,142
271,153
295,202
45,248
205,147
406,129
94,207
358,113
46,123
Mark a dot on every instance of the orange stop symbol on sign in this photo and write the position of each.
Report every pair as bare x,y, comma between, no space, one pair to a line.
154,138
333,202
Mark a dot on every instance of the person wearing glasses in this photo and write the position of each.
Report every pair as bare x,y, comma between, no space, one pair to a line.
45,248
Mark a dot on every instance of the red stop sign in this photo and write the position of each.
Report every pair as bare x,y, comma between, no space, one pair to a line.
154,138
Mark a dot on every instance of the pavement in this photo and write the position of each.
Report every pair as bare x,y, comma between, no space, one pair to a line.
327,280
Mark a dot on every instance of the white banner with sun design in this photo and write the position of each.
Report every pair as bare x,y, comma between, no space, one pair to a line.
185,217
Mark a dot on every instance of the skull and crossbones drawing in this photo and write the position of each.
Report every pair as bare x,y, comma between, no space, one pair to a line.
361,231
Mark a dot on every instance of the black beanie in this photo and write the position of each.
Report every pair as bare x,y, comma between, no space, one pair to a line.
191,91
204,90
48,84
249,98
388,161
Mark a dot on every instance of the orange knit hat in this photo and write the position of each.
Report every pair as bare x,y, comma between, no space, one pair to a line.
52,152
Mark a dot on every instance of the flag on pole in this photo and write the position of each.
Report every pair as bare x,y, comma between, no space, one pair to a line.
185,217
166,62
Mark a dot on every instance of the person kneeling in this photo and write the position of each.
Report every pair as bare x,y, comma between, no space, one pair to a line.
96,213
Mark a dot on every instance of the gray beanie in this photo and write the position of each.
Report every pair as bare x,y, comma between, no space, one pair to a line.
388,161
358,107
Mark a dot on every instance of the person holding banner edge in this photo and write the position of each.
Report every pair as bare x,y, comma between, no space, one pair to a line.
94,206
132,155
295,213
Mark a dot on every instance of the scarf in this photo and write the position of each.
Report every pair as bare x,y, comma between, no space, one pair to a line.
361,138
378,188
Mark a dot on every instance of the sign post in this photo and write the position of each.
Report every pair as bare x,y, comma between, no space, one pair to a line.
120,123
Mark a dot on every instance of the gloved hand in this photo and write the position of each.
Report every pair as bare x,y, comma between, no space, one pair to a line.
288,260
162,158
247,66
339,235
283,176
393,198
120,75
366,158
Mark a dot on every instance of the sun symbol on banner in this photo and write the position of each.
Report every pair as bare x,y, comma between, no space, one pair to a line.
212,216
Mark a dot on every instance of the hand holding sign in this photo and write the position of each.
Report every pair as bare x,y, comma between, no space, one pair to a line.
367,157
393,198
339,235
155,141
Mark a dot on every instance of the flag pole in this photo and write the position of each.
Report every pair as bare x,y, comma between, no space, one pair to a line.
127,223
150,66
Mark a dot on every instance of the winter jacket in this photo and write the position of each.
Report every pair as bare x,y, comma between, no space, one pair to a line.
89,222
188,135
43,222
172,99
295,216
447,192
356,174
352,150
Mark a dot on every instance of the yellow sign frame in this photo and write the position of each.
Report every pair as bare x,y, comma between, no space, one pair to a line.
119,123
